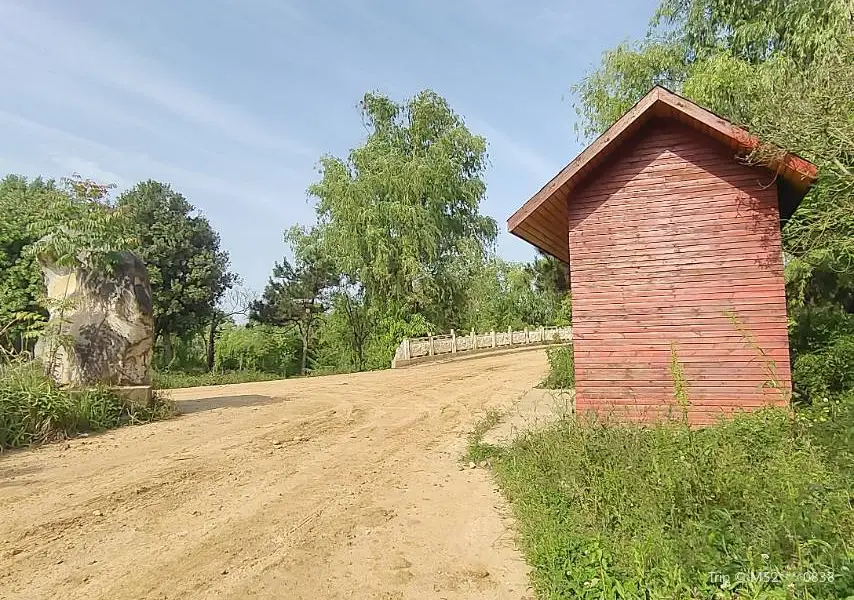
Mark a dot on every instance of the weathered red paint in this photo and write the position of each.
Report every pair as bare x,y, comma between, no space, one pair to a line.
675,254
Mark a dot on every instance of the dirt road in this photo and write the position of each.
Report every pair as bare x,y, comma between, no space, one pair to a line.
329,487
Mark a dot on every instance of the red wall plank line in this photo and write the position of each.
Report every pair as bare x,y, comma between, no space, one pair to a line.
666,238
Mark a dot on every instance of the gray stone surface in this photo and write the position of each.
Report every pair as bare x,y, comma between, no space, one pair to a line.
101,329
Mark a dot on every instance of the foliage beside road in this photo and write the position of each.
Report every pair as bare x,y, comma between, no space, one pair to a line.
34,410
619,511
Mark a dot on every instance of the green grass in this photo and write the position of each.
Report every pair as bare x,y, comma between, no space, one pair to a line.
561,368
180,379
611,511
477,450
33,410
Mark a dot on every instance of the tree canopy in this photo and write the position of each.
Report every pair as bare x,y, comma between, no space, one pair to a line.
299,292
402,209
188,269
71,221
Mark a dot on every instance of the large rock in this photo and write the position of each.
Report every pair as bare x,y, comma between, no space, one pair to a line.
101,327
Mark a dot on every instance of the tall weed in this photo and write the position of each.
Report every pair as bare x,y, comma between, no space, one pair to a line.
561,368
755,507
33,410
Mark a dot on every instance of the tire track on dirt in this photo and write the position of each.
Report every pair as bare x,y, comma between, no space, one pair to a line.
333,487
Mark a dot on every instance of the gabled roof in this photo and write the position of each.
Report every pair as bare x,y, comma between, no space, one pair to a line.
542,220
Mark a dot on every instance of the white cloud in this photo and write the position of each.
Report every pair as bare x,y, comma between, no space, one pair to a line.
72,48
70,153
503,147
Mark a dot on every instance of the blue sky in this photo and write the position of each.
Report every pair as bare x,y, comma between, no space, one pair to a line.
233,101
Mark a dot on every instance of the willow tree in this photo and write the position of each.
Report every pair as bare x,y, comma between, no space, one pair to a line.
687,38
400,214
782,69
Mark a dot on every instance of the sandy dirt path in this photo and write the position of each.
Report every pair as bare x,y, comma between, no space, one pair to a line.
330,487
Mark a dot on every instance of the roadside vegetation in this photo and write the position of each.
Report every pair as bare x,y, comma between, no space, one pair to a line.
756,507
561,375
34,410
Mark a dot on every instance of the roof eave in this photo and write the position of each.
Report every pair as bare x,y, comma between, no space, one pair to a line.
800,173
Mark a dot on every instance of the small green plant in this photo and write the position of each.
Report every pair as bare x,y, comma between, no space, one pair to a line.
477,450
680,382
34,410
773,381
561,368
826,372
620,511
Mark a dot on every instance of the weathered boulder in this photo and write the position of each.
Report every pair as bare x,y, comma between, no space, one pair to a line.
101,326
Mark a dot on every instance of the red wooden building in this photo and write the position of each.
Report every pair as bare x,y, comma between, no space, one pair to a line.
675,259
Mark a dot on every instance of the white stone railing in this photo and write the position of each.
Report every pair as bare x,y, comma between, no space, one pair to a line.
421,349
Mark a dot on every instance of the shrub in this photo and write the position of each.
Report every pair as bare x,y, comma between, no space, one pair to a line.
827,372
180,379
34,410
831,425
812,328
622,511
258,348
561,368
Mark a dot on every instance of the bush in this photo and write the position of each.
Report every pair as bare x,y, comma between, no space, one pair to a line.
33,410
180,379
831,425
827,372
621,511
813,328
561,368
259,348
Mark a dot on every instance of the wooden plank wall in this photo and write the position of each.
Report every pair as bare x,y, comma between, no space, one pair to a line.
675,244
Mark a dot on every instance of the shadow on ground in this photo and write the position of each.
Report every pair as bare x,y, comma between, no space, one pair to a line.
186,407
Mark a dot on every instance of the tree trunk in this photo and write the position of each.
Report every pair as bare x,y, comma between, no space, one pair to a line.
304,353
210,344
305,338
167,349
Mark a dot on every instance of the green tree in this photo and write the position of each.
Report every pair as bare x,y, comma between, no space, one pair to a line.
299,293
73,222
236,301
22,203
260,348
189,272
551,276
506,294
685,36
399,212
345,331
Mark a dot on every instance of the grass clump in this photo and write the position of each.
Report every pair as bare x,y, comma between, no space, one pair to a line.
179,379
34,410
477,450
755,507
561,368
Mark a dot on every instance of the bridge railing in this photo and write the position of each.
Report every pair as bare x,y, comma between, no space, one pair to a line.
412,350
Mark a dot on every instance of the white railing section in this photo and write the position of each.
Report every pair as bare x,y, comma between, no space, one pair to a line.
417,349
